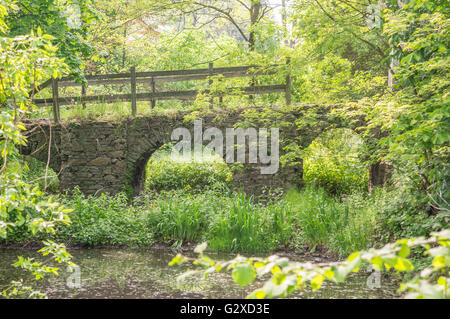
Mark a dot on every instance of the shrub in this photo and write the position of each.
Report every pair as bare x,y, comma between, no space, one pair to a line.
166,173
105,220
402,212
332,161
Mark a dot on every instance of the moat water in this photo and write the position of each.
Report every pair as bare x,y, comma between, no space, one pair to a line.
144,273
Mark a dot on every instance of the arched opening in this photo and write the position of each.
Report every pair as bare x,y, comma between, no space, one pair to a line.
168,169
137,182
334,161
36,172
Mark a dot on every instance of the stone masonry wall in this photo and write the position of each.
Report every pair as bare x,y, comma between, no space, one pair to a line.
101,156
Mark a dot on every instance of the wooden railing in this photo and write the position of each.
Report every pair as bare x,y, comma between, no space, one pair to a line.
154,77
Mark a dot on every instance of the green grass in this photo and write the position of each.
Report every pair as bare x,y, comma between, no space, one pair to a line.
192,201
105,111
228,221
324,220
252,227
181,216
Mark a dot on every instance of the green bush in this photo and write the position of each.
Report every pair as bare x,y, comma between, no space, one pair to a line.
402,212
37,173
169,173
333,161
105,220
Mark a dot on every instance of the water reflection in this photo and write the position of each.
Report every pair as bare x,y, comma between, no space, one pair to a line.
144,273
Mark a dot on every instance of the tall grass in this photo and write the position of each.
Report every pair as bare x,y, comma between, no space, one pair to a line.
243,227
252,227
324,220
230,222
109,111
181,216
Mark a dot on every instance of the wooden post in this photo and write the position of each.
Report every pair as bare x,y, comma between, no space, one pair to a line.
288,83
153,92
221,96
83,95
55,100
133,90
211,70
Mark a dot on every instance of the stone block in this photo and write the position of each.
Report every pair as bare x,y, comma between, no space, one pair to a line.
100,161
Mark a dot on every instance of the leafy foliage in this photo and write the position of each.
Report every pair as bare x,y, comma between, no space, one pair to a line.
287,276
63,22
333,161
104,220
417,116
24,60
165,172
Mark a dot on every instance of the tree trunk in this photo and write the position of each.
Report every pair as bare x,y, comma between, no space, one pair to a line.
254,15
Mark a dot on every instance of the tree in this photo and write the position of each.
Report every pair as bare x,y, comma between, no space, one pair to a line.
420,124
65,20
340,28
244,16
25,60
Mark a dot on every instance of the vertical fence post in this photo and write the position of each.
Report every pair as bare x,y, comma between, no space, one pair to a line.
288,82
55,100
221,96
133,90
153,92
83,95
211,70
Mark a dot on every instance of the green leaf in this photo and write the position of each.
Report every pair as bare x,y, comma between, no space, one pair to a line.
404,251
317,281
278,278
243,274
439,262
259,294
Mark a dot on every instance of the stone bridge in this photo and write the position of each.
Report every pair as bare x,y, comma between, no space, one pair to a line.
110,156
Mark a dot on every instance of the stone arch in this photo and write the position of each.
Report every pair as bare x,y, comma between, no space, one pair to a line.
138,171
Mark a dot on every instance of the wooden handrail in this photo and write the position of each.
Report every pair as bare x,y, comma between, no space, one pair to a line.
167,95
152,77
